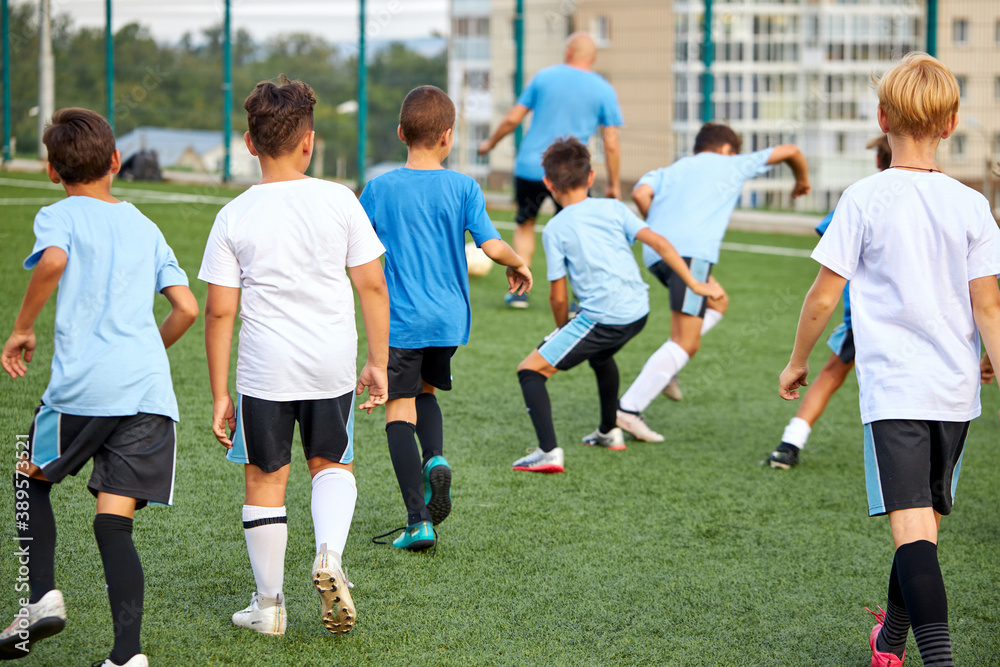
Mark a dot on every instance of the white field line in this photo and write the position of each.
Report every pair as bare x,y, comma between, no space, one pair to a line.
736,247
170,197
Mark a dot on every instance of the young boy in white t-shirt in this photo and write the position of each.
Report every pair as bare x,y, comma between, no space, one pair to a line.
282,246
922,252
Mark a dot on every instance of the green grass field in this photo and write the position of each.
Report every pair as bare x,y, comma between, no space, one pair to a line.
688,552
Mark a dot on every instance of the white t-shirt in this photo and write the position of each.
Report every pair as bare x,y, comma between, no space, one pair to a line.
910,242
286,245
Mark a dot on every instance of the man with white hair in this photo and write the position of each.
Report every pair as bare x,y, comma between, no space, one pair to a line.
569,99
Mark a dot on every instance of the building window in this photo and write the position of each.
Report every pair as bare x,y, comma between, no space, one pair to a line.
600,30
958,147
960,32
963,86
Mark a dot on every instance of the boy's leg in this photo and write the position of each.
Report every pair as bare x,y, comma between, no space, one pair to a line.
265,527
665,363
430,424
607,390
36,526
334,495
532,373
400,430
122,572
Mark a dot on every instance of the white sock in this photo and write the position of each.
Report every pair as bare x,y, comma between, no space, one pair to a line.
712,317
266,530
334,493
797,432
658,371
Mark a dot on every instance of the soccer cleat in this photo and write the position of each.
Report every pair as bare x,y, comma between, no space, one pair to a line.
613,439
137,660
416,537
516,300
33,623
636,426
339,613
437,488
784,457
265,615
880,658
540,461
673,390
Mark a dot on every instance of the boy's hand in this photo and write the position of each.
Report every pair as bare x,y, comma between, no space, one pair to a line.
986,372
801,188
709,290
519,279
791,379
223,415
12,349
375,378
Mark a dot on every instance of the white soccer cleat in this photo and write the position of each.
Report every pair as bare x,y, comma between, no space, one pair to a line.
673,390
613,439
33,623
264,615
636,425
540,461
137,660
339,612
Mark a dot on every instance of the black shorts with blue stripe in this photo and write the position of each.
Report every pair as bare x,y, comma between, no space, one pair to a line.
582,340
682,298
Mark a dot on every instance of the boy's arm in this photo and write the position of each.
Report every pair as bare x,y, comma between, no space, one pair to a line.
985,297
819,305
369,281
506,126
666,250
183,313
44,279
559,301
220,316
518,274
986,372
642,195
793,157
613,158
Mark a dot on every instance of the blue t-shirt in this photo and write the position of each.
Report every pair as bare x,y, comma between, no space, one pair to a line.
693,199
421,218
109,359
821,229
565,101
591,242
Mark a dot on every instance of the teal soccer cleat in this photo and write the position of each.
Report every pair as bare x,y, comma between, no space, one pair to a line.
437,488
417,537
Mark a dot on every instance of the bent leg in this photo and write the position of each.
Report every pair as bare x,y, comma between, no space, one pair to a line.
122,572
665,363
532,374
524,240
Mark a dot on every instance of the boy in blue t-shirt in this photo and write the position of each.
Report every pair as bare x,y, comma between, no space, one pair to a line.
421,213
590,241
110,397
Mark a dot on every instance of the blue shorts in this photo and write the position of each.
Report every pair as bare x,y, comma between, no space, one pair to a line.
582,340
841,341
682,298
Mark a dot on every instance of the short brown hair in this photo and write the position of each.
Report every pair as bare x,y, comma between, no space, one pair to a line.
80,144
426,114
715,135
883,151
567,164
918,95
279,115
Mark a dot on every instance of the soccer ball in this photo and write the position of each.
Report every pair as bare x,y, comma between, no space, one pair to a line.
479,263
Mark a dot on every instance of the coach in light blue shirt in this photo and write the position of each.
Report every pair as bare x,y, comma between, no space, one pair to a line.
567,100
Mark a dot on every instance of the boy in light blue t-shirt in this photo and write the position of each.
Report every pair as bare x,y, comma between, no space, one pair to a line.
590,242
421,213
110,397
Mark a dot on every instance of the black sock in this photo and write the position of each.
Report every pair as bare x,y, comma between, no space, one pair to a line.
38,533
409,473
430,426
123,574
607,389
892,637
536,398
922,586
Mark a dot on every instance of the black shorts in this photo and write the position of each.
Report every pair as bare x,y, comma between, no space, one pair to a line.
264,430
912,463
410,368
134,456
582,340
841,341
682,298
530,196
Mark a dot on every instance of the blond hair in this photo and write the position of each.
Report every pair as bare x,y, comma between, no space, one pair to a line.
918,95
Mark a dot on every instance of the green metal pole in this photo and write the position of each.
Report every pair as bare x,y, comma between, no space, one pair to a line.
227,93
109,64
932,21
518,64
362,96
707,56
6,79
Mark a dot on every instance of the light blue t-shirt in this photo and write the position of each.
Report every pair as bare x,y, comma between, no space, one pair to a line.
421,218
109,359
693,199
821,229
591,242
565,101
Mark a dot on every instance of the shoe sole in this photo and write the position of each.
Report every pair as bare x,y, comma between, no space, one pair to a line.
544,469
620,425
416,545
440,503
777,465
339,612
41,629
